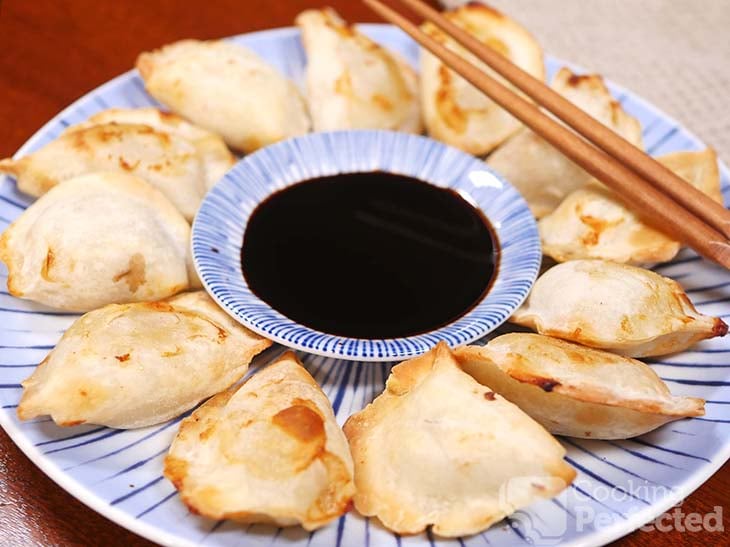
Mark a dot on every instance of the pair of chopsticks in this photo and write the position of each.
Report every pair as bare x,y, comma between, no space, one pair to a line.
658,195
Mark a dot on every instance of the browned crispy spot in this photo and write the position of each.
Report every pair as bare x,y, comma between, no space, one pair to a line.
207,432
79,140
176,470
47,265
72,423
626,324
108,132
576,356
122,358
498,45
159,306
124,164
489,395
483,8
169,117
345,30
301,422
596,227
343,85
546,384
177,351
453,115
222,333
382,102
574,80
719,328
134,276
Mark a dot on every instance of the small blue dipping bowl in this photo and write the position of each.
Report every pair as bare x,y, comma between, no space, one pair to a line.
221,221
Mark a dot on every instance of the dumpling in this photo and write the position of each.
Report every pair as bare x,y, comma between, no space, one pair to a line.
268,451
623,309
215,156
545,176
227,89
437,448
352,82
98,239
592,222
134,365
175,157
456,112
573,390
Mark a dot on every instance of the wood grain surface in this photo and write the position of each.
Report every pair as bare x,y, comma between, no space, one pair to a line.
51,53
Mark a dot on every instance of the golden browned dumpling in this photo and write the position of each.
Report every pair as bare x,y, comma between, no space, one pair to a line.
352,82
456,112
210,147
134,365
437,448
592,222
177,158
576,391
545,176
227,89
98,239
624,309
268,451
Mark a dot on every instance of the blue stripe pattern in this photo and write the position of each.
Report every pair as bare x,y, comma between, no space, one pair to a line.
120,471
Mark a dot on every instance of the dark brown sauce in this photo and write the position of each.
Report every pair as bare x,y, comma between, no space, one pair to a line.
369,255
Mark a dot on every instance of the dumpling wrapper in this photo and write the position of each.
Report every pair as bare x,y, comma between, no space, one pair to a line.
215,156
592,222
437,448
542,174
134,365
227,89
97,239
268,451
576,391
624,309
352,82
454,111
175,157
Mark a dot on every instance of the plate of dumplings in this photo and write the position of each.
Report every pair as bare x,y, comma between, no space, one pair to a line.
605,393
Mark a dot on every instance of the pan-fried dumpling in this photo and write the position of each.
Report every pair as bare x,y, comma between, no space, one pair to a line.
352,82
624,309
592,222
227,89
545,176
212,151
177,158
573,390
134,365
97,239
268,451
437,448
456,112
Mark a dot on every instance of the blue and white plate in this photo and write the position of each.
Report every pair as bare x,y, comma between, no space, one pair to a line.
620,485
223,217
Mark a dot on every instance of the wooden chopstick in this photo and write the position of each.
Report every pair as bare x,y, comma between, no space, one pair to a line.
641,196
691,198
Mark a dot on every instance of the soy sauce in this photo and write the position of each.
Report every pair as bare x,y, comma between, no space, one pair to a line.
369,255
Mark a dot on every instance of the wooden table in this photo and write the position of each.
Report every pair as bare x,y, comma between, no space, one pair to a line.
52,52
